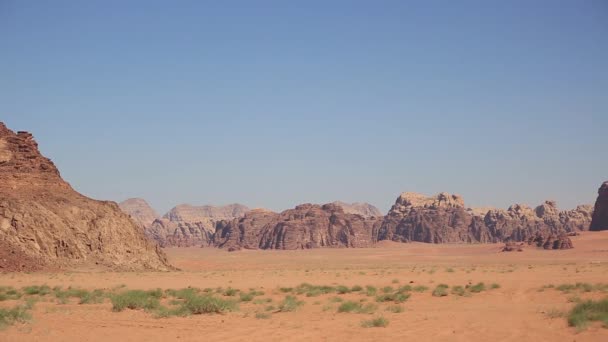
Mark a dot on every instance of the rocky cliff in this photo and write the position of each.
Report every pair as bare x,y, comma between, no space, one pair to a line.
44,223
444,219
306,226
600,213
139,210
363,209
186,225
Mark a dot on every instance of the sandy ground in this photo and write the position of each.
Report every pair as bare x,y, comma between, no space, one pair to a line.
517,311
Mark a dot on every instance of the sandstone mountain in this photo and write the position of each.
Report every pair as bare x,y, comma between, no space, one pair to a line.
44,223
363,209
600,214
139,210
444,219
186,225
305,226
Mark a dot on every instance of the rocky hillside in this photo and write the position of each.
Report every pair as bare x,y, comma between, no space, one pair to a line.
186,225
444,219
600,214
363,209
44,223
305,226
139,210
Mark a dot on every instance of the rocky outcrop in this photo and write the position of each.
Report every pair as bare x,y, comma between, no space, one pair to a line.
48,224
600,213
245,232
190,213
438,219
139,210
363,209
551,241
306,226
444,219
312,226
186,225
180,234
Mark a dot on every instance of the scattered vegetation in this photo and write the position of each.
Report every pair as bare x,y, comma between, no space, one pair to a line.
458,290
420,288
262,315
379,322
441,290
587,311
350,306
395,308
19,313
479,287
289,304
135,299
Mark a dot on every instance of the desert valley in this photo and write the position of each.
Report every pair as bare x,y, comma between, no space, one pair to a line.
77,269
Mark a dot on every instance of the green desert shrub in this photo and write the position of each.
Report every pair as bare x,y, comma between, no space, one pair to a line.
16,314
37,290
341,289
135,299
458,290
289,304
356,288
9,293
441,290
479,287
379,322
370,290
198,305
495,286
420,288
262,315
395,308
590,310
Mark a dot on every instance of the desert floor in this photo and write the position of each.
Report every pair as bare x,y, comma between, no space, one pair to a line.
521,309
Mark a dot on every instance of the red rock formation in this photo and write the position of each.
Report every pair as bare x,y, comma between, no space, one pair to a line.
443,218
600,213
306,226
48,224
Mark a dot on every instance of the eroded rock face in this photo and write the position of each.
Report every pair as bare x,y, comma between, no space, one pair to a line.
139,210
190,213
186,225
245,232
306,226
438,219
363,209
312,226
551,241
600,213
444,219
46,222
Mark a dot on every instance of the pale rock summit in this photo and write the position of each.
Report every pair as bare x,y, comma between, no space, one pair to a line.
363,209
139,210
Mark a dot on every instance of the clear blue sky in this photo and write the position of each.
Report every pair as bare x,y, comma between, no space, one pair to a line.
275,103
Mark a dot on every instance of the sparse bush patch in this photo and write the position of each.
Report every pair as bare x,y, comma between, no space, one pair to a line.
379,322
441,290
289,304
587,311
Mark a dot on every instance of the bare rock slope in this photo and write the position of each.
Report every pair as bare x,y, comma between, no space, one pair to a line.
306,226
444,219
139,210
363,209
44,223
600,214
186,225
